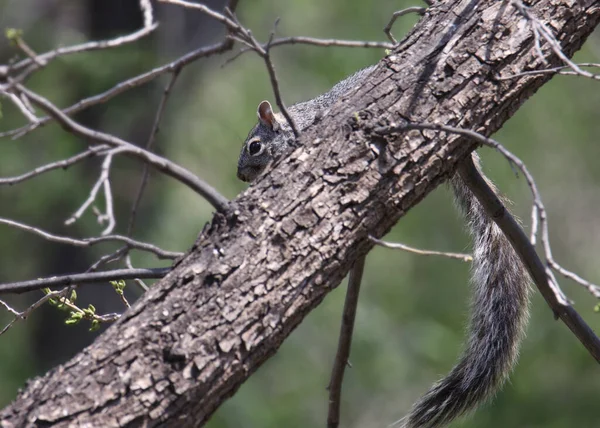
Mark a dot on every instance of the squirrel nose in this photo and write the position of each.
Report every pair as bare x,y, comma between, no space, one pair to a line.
241,175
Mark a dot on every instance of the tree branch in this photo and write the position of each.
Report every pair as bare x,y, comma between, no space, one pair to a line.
82,278
164,165
258,269
344,343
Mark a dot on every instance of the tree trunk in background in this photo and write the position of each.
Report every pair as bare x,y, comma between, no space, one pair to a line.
254,273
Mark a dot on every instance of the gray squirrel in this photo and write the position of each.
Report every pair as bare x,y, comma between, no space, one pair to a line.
499,307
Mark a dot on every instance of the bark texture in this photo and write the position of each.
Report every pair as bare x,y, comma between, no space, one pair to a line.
254,273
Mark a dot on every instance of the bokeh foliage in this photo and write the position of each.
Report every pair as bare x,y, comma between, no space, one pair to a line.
412,311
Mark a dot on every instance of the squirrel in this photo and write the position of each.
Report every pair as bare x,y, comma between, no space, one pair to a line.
499,308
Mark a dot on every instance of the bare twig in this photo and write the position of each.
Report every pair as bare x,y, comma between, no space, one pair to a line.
244,35
62,164
24,314
539,208
127,85
329,42
29,52
102,180
316,42
232,5
229,23
8,308
554,70
162,164
398,246
109,258
45,58
147,12
89,242
25,110
388,28
541,29
543,277
109,214
149,144
517,237
138,281
344,342
82,278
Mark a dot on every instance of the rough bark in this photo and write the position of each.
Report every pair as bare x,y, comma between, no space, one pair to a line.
254,273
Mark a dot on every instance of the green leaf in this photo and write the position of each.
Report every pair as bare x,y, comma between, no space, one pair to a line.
73,296
74,318
119,286
13,34
95,325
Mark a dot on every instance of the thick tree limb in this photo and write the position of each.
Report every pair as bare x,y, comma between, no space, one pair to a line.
261,266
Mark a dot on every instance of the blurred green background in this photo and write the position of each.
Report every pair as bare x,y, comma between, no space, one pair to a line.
412,310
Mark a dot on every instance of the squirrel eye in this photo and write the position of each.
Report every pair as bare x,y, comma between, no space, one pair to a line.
254,148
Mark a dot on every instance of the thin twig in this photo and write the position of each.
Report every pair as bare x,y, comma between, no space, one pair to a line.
45,58
127,85
244,35
109,258
229,23
344,342
399,246
24,314
538,210
164,165
28,113
526,252
109,214
89,242
388,28
8,308
312,41
149,144
82,278
62,164
543,277
554,70
541,29
102,179
138,281
329,42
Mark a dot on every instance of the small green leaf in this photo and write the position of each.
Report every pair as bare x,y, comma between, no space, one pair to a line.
597,308
95,325
13,34
73,296
74,318
119,286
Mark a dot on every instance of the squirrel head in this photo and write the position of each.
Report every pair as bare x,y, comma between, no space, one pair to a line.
265,142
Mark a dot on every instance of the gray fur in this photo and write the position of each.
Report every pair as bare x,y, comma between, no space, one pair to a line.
499,312
277,142
500,285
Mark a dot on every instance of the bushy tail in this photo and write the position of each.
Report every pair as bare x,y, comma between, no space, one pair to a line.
498,316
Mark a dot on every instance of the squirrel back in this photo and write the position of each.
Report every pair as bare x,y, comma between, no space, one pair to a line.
272,136
500,300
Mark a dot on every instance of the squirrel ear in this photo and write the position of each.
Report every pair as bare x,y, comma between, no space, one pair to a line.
266,116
